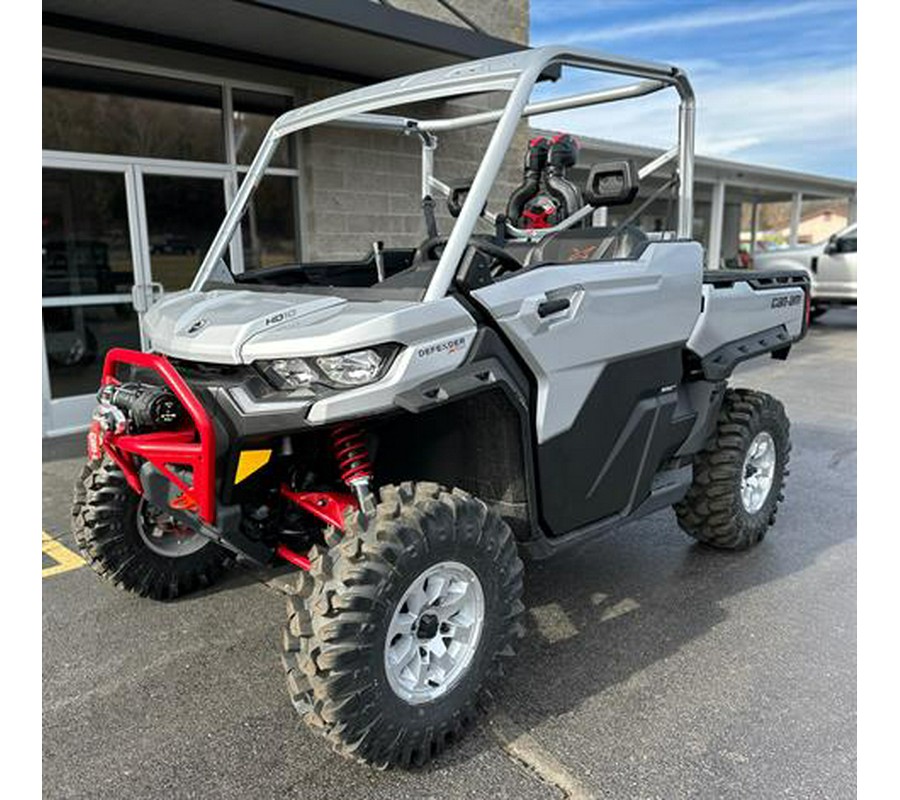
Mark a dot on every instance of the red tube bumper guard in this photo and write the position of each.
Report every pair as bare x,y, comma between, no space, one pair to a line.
193,447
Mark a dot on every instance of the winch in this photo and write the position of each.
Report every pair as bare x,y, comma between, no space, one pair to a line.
138,407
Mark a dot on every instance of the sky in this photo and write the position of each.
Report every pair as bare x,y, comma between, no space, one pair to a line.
775,81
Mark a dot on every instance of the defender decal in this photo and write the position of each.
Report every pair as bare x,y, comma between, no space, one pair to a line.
450,346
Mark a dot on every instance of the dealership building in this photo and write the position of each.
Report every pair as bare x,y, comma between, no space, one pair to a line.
153,111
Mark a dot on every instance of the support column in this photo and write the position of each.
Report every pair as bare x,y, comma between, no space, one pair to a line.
796,206
731,231
716,221
851,209
754,226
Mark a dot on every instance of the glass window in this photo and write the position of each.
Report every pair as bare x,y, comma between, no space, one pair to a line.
254,112
847,244
86,246
77,337
183,215
95,110
268,228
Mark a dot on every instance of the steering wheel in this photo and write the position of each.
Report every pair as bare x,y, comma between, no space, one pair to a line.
504,262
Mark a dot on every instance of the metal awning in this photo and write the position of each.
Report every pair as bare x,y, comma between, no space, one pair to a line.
746,182
356,40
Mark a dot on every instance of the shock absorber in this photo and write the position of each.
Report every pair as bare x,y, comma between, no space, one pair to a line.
352,456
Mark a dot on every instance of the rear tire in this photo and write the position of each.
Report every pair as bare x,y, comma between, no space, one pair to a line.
115,530
342,649
739,476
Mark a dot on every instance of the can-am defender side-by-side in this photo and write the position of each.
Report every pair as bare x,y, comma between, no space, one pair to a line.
405,427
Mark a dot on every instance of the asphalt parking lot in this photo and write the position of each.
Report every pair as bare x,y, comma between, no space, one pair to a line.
651,667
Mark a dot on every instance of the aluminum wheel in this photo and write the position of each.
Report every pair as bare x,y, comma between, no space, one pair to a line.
434,632
758,473
164,535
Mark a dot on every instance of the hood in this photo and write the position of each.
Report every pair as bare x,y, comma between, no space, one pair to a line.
218,326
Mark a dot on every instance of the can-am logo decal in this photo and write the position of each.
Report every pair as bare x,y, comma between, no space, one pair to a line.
786,300
450,346
198,325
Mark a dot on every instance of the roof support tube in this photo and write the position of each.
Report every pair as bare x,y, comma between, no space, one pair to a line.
546,106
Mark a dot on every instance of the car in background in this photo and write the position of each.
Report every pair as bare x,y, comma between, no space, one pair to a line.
831,266
173,246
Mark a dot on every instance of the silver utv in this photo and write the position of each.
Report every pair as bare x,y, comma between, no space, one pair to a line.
403,427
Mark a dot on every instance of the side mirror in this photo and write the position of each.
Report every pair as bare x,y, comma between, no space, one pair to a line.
833,245
611,183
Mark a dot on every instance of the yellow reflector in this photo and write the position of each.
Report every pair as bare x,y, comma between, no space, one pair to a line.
250,461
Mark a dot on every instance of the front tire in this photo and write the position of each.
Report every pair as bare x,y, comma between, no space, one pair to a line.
739,476
135,546
435,570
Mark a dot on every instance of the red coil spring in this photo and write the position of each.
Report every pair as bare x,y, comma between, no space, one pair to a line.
350,452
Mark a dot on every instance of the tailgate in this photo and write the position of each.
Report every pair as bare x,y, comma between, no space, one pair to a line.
745,314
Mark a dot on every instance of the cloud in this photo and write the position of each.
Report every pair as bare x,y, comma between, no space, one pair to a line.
775,81
703,19
790,115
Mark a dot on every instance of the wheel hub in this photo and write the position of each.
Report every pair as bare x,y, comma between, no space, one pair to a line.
427,627
165,535
434,632
758,473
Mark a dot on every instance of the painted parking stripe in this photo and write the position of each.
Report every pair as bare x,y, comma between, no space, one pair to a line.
64,558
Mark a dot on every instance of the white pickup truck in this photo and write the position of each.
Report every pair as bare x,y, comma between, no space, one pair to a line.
831,266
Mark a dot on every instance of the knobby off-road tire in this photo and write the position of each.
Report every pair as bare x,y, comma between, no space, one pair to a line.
106,515
338,622
715,511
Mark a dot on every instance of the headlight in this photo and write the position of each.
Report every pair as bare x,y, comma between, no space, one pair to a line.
289,373
351,369
340,371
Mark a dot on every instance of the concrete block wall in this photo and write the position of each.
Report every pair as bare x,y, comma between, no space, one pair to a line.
362,186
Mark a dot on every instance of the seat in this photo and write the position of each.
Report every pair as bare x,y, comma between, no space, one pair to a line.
583,245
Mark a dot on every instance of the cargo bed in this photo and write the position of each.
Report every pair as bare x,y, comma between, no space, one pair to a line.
745,313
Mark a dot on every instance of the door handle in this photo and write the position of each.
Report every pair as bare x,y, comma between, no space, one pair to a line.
554,306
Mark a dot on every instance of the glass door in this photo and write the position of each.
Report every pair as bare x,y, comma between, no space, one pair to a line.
182,213
116,237
88,272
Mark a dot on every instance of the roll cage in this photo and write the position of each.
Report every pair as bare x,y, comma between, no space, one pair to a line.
515,73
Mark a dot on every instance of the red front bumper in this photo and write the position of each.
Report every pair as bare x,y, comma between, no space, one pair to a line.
192,447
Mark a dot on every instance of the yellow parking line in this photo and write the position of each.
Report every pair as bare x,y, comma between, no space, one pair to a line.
65,559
